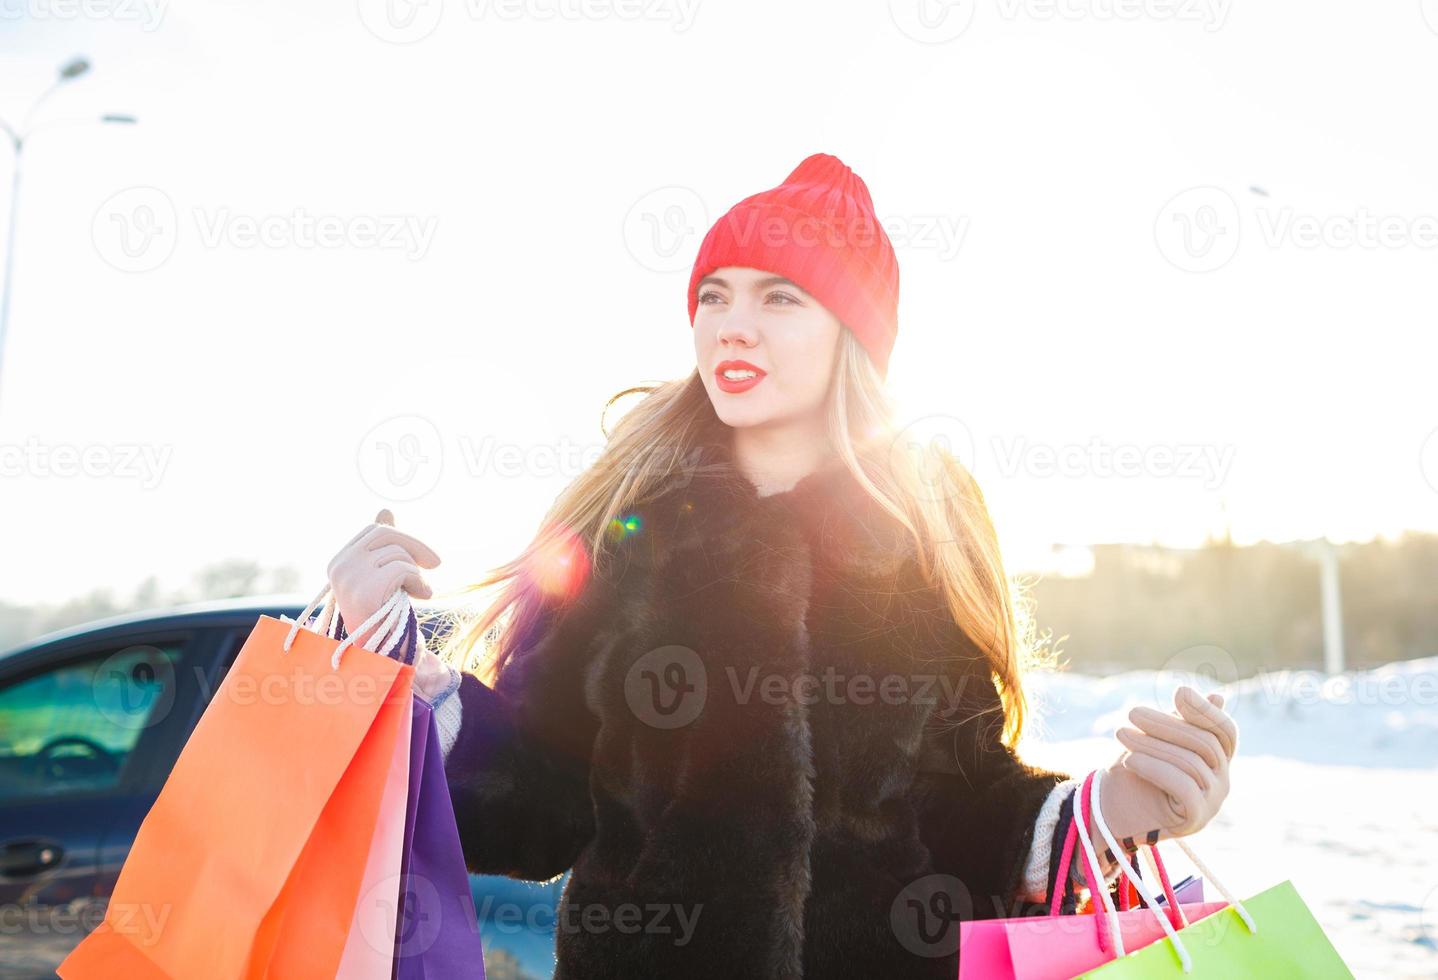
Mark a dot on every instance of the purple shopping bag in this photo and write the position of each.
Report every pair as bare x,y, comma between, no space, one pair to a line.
437,935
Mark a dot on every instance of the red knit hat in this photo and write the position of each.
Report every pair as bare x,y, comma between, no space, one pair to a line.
817,229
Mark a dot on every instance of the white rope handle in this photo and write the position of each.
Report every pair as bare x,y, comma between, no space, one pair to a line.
1228,895
328,621
299,622
1103,897
1143,889
393,615
399,613
1203,869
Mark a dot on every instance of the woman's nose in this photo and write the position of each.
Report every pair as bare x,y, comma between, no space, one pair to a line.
738,329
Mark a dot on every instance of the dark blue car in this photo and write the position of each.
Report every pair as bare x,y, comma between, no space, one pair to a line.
92,718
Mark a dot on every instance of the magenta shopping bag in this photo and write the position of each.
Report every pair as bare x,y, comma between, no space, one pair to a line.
438,930
1057,947
1070,945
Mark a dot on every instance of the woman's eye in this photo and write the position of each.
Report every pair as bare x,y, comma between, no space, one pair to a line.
705,296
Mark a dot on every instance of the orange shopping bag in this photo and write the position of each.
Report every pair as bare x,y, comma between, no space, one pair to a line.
251,861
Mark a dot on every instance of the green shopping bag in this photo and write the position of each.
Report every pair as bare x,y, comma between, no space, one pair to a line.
1273,934
1288,943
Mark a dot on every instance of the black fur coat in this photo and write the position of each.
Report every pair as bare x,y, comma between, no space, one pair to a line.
760,741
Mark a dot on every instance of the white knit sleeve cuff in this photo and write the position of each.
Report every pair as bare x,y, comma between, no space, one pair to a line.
447,711
1036,872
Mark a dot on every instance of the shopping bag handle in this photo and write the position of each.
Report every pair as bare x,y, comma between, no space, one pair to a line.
394,611
1098,892
1155,864
1203,869
1093,803
1127,869
1062,882
1060,896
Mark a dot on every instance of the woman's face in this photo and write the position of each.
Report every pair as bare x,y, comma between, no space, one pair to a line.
772,327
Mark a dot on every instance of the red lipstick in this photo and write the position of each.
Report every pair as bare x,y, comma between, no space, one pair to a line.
735,386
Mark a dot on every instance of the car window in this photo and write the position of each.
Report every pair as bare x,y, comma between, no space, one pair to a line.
70,728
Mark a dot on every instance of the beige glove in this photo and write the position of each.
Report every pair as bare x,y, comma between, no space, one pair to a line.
1173,774
368,569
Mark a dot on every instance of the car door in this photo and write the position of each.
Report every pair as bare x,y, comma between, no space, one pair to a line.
88,732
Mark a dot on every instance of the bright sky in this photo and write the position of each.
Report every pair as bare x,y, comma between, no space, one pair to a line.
358,255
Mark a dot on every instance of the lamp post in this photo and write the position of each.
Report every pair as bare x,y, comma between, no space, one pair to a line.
1322,551
18,135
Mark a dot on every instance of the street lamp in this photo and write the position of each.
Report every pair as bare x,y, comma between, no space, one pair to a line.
68,72
1330,597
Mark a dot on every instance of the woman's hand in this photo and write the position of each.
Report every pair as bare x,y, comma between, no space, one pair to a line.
1173,776
366,572
372,565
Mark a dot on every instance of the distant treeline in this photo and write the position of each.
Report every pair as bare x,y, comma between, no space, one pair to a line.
1143,607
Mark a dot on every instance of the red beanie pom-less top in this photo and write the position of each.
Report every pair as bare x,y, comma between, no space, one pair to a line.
817,229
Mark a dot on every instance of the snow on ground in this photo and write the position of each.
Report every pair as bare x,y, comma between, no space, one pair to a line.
1334,785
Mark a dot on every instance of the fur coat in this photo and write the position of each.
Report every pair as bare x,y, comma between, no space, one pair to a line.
760,741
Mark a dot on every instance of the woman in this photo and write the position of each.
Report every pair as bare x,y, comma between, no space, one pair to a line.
758,678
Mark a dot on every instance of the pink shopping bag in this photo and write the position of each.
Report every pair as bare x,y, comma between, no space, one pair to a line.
1056,947
369,951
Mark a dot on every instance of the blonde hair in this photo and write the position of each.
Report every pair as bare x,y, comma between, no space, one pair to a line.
953,534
